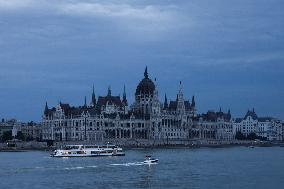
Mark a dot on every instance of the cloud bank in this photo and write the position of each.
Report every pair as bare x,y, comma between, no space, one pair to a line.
227,53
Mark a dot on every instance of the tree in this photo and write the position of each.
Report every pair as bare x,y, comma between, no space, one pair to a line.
29,138
7,135
240,136
252,136
20,136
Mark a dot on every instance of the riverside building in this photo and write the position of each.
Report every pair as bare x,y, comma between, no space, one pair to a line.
111,117
213,125
266,127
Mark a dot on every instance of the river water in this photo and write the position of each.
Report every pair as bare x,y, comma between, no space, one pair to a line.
228,168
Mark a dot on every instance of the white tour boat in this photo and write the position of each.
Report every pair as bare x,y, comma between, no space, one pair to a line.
150,160
88,151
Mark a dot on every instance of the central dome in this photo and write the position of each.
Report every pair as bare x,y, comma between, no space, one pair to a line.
146,86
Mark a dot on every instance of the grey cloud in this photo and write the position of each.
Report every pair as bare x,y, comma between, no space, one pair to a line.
227,53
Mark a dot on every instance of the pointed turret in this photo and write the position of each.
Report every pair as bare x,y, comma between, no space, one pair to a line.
46,108
166,102
193,101
124,99
220,109
93,102
252,114
85,105
229,114
109,91
146,73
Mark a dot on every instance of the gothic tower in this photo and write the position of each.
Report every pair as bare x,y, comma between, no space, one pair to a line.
166,105
180,100
156,106
93,101
124,101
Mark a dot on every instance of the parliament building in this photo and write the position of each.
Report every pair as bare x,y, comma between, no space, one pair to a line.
111,117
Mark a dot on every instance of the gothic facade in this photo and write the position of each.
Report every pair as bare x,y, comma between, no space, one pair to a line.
213,125
110,117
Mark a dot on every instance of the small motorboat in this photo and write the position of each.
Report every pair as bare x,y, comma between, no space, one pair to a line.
150,160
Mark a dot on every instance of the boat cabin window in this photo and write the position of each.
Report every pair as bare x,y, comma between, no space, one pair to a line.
90,146
70,147
95,152
81,152
109,146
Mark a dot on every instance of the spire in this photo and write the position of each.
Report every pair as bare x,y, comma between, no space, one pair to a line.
93,102
220,110
109,91
85,102
193,101
46,108
166,102
124,95
180,92
229,115
146,73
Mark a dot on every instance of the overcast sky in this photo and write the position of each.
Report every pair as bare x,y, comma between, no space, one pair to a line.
228,54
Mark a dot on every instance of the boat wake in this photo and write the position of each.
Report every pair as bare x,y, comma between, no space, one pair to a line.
150,163
128,164
73,168
92,166
80,167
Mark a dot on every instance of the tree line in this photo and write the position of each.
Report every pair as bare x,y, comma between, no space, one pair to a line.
7,135
251,136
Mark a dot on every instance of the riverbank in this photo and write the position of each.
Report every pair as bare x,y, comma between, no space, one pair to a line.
18,146
131,144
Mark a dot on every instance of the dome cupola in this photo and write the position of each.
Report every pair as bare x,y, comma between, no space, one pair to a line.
146,86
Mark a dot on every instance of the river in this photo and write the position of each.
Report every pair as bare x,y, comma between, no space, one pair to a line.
222,168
